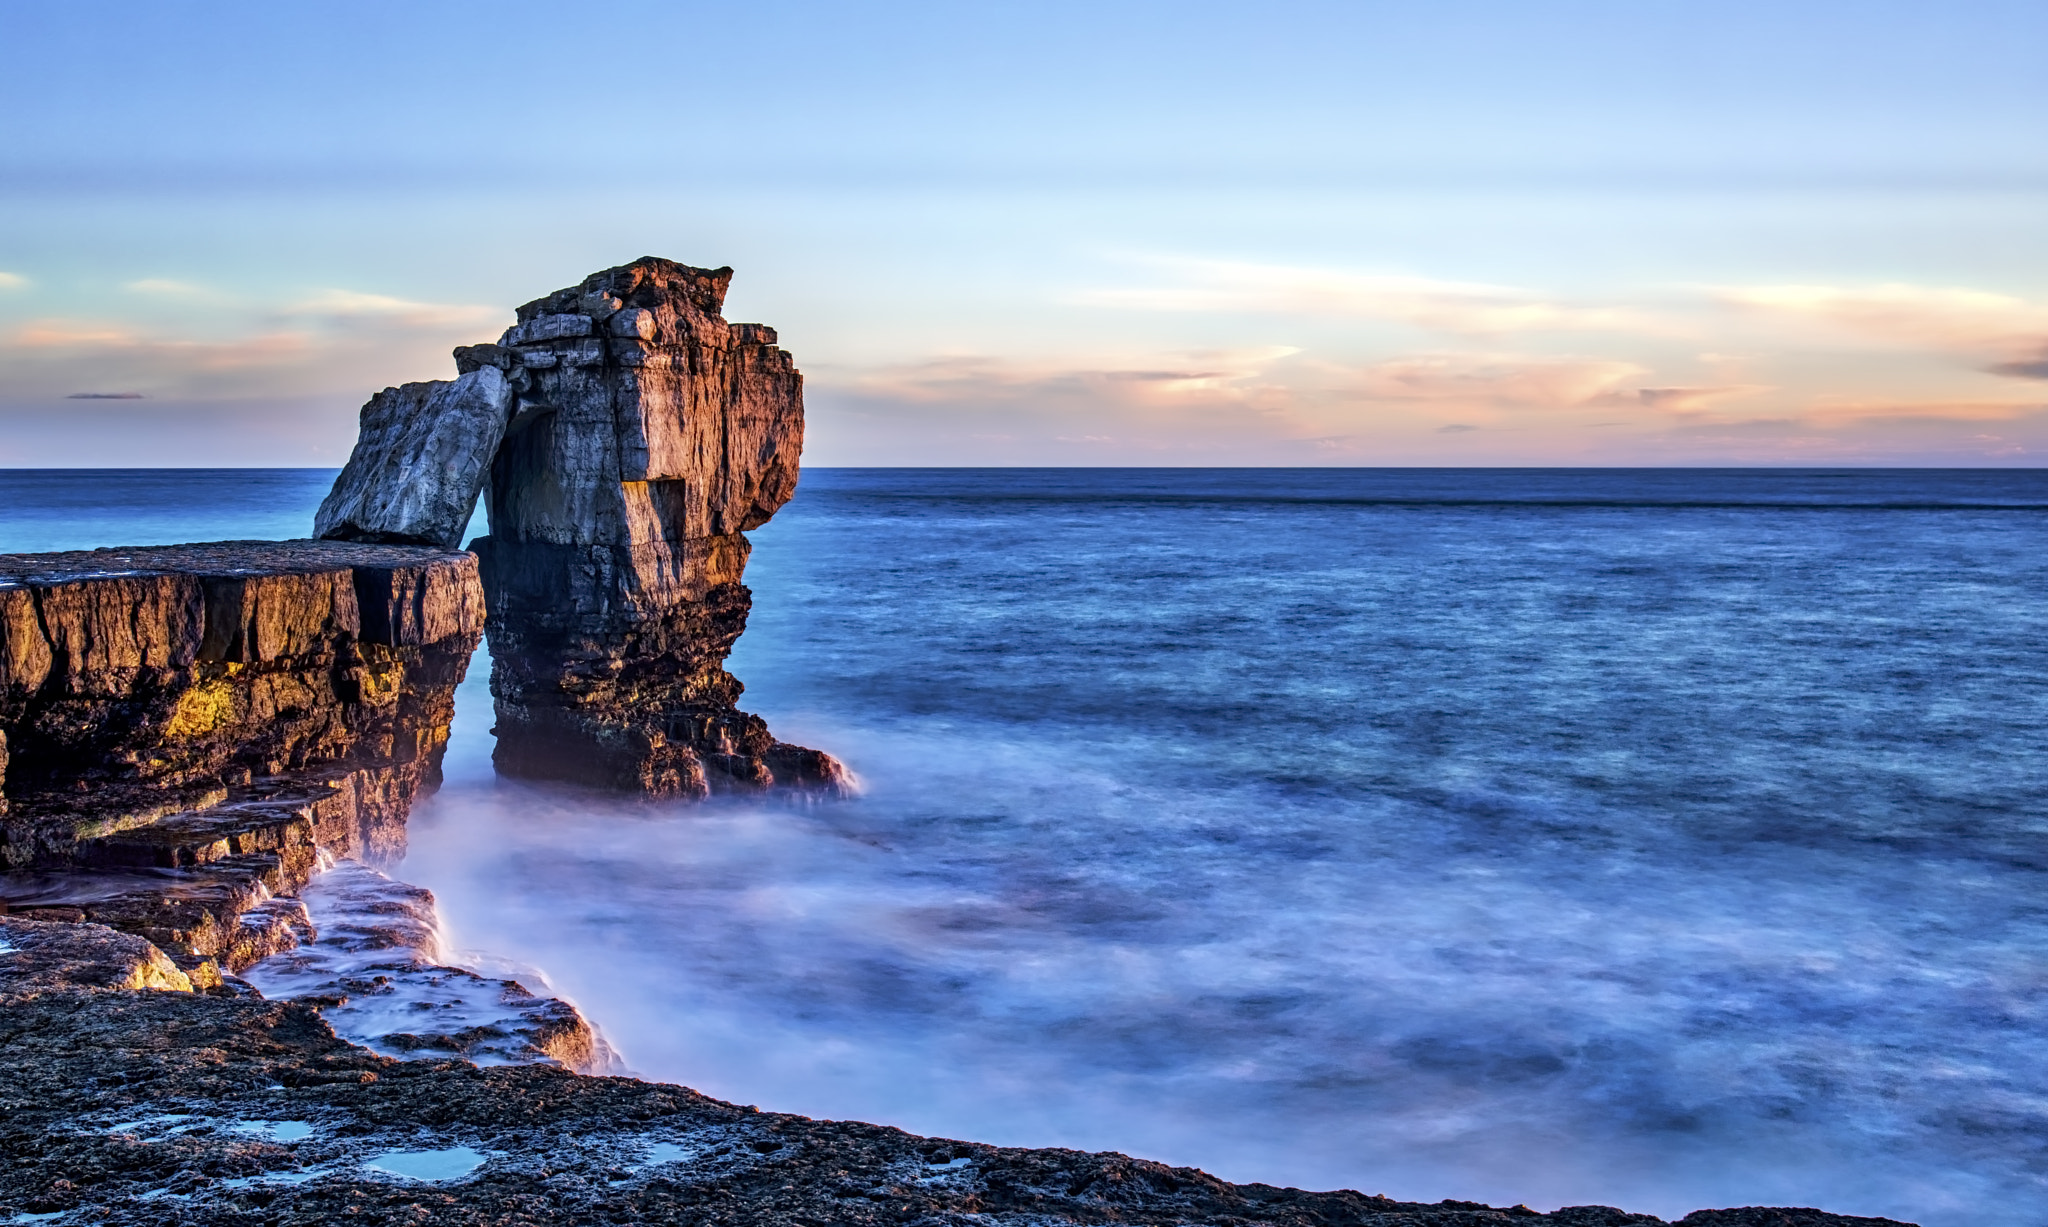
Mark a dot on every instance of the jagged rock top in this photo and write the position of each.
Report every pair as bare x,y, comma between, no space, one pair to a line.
649,282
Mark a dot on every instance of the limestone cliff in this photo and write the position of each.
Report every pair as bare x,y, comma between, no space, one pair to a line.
643,436
186,727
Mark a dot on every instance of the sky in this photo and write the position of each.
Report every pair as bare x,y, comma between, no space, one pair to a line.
1453,233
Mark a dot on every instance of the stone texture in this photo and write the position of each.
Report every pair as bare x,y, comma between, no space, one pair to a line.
138,684
40,956
190,727
647,436
419,462
375,970
89,1082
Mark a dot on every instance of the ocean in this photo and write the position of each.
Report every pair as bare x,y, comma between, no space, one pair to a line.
1656,838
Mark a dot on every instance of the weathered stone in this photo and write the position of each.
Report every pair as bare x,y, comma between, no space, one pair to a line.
419,462
376,972
42,956
189,727
612,570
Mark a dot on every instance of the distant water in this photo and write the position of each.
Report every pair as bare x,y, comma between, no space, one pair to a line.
1662,838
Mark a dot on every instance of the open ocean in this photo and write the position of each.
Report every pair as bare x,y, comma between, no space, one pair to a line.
1658,838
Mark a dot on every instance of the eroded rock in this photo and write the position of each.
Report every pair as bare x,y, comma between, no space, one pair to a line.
649,434
146,688
419,462
380,976
39,956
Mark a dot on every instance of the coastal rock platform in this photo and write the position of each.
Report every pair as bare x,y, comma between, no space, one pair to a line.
144,1107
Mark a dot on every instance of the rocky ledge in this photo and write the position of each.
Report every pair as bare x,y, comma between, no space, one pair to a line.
120,1105
186,730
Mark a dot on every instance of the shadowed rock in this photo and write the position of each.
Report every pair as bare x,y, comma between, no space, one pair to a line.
419,462
188,726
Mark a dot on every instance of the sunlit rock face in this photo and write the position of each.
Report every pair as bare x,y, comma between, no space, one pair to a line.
189,726
647,435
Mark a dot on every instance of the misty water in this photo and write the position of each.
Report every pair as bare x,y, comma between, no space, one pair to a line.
1665,839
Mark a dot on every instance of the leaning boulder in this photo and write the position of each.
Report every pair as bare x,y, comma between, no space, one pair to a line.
420,461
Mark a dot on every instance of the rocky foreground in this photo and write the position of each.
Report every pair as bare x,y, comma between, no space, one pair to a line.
128,1104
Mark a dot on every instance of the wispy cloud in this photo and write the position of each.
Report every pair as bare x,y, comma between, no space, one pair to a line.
1158,380
12,281
332,341
1466,308
2002,333
353,305
170,289
1502,382
100,343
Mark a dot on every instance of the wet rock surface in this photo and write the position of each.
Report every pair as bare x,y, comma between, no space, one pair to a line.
378,973
41,956
126,1107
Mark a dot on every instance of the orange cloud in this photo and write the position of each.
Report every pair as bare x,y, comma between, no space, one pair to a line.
2008,334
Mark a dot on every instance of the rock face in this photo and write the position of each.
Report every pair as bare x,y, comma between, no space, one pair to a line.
646,435
187,727
420,460
631,436
42,956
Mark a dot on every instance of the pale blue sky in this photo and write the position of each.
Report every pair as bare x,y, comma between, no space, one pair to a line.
1125,233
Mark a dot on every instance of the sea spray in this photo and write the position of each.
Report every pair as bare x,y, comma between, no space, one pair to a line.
379,972
1658,854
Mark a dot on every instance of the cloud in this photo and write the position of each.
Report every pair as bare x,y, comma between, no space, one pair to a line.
1274,405
1501,382
12,281
349,305
1695,399
2035,367
333,342
101,345
2007,335
1466,308
167,288
1197,375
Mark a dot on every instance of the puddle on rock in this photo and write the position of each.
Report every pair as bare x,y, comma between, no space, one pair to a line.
428,1165
274,1130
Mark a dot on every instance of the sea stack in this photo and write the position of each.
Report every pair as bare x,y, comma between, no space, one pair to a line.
637,436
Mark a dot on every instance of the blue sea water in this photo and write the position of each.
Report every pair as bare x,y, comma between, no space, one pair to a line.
1664,839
